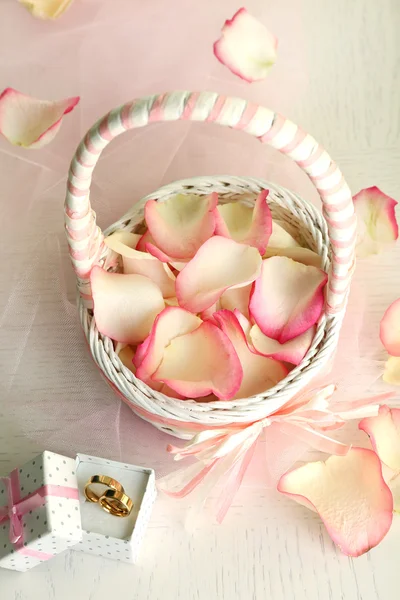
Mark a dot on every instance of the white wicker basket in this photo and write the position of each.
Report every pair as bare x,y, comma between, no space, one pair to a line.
332,237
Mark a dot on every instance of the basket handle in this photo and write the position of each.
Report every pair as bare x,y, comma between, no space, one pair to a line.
85,239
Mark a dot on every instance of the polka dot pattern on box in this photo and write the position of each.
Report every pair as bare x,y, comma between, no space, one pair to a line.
53,526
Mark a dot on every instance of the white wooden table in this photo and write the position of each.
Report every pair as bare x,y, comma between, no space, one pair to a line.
338,77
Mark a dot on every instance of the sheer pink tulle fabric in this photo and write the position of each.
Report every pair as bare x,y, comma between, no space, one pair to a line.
51,394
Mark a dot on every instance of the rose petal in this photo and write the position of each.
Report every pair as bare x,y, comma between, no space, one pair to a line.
126,356
384,433
200,363
141,263
390,329
172,322
237,298
246,47
376,221
172,301
394,485
31,123
244,324
221,263
349,494
292,351
280,238
301,255
208,314
259,373
46,9
246,224
125,306
181,224
288,298
391,374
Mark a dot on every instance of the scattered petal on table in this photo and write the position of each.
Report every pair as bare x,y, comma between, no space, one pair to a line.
46,9
288,298
280,238
237,298
200,363
29,122
384,433
221,263
259,372
246,47
376,221
141,263
246,224
304,256
181,224
125,306
391,374
390,329
292,351
349,494
172,322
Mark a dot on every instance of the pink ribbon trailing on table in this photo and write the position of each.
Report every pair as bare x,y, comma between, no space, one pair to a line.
17,507
228,450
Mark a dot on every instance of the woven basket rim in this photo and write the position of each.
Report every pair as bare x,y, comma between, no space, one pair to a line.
245,409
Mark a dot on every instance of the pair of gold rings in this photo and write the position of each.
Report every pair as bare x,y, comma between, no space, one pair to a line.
112,497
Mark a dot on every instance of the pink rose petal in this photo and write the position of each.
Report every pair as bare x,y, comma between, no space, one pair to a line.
384,433
172,322
280,238
181,224
292,351
246,47
141,263
46,9
237,298
301,255
125,306
391,374
246,224
31,123
288,298
126,356
220,263
390,329
259,373
349,494
200,363
376,221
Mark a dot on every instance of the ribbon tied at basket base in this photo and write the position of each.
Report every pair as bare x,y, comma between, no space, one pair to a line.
17,507
228,451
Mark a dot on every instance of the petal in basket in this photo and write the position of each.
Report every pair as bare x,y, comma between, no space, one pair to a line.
141,263
125,306
181,224
221,263
200,363
288,298
252,226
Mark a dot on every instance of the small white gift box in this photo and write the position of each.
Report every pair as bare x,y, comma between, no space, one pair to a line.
43,510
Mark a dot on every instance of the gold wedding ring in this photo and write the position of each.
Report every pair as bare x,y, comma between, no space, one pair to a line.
116,503
99,484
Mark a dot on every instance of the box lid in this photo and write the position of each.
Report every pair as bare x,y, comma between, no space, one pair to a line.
39,511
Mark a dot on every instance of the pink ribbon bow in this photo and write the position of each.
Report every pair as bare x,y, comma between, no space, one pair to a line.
17,507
